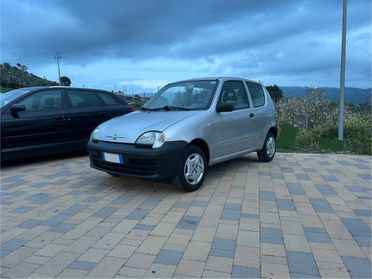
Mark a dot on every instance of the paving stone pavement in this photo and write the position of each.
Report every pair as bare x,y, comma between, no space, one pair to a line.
302,215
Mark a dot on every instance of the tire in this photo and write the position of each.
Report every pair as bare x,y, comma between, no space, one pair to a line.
267,153
113,174
194,157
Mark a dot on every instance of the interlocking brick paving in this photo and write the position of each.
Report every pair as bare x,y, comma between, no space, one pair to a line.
302,215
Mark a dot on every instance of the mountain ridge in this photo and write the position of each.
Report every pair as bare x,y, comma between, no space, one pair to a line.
353,95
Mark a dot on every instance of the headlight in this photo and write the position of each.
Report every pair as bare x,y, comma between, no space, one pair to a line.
95,134
154,139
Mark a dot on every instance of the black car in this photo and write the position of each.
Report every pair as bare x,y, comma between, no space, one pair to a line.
43,120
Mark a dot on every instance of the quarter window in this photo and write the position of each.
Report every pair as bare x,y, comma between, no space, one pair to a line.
233,92
43,101
83,99
108,100
257,94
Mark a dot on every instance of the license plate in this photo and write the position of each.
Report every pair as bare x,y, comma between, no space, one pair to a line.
113,158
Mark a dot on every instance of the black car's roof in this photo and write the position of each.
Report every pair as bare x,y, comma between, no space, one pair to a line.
62,87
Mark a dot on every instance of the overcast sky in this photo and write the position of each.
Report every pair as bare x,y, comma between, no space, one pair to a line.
139,45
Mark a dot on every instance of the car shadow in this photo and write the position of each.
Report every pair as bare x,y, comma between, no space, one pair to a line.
42,159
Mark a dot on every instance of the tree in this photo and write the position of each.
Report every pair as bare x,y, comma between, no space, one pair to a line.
65,81
275,92
305,113
6,66
23,68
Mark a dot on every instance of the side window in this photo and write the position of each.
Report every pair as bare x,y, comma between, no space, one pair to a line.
233,92
83,99
107,99
257,94
43,101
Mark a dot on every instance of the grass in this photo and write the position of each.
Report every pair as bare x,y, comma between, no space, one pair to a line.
5,89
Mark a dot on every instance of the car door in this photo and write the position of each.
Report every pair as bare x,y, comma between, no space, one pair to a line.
259,119
232,130
85,111
114,105
40,127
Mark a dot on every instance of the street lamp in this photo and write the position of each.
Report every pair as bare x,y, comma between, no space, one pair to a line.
342,75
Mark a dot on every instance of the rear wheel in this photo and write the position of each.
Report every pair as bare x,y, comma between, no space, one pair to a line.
191,169
267,153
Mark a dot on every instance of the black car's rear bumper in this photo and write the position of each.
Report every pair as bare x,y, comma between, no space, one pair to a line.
151,163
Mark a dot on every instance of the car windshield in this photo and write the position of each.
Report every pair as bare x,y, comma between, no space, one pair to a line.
187,95
10,96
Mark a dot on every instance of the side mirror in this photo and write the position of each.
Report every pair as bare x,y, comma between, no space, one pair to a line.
225,107
17,108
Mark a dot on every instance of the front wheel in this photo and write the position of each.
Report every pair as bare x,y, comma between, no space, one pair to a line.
113,174
191,169
267,153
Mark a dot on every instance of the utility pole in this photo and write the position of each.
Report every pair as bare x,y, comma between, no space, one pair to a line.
307,110
59,70
342,75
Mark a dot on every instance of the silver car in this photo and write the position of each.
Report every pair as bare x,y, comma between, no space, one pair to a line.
186,127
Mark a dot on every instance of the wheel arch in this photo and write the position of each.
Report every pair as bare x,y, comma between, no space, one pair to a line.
202,144
274,130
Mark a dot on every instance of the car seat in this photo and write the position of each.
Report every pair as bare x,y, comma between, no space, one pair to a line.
229,97
49,103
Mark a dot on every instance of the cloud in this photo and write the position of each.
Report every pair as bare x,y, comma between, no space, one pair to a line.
104,43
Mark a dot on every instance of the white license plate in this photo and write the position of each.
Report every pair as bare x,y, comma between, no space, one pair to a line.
113,158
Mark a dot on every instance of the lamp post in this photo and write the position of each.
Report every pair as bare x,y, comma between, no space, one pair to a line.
342,74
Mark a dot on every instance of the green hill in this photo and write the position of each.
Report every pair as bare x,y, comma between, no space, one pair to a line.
12,77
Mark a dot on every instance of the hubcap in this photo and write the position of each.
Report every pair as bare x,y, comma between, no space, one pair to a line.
270,147
194,169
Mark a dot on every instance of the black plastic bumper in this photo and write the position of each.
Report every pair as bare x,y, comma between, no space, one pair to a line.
151,163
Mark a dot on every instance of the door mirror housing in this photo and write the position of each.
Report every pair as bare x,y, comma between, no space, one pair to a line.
225,107
17,108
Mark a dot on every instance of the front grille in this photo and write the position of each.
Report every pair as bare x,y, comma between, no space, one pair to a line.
130,166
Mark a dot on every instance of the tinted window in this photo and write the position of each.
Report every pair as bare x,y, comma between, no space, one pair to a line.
108,99
83,99
257,94
43,101
233,92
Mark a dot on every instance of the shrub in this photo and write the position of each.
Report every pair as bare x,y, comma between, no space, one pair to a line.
305,113
315,120
358,133
287,135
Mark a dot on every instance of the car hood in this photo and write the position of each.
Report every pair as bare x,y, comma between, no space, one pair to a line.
127,128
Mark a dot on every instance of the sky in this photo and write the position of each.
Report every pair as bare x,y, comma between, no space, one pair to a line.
138,45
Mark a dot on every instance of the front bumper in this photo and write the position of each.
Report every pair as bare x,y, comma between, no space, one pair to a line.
151,163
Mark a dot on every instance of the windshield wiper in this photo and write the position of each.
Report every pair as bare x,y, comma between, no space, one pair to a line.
170,108
147,109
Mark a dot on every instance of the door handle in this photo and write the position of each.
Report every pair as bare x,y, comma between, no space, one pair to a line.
251,115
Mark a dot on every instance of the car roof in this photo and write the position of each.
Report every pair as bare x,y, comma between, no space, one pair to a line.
221,78
63,87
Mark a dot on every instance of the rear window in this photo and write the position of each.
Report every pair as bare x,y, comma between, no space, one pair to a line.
257,94
83,99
